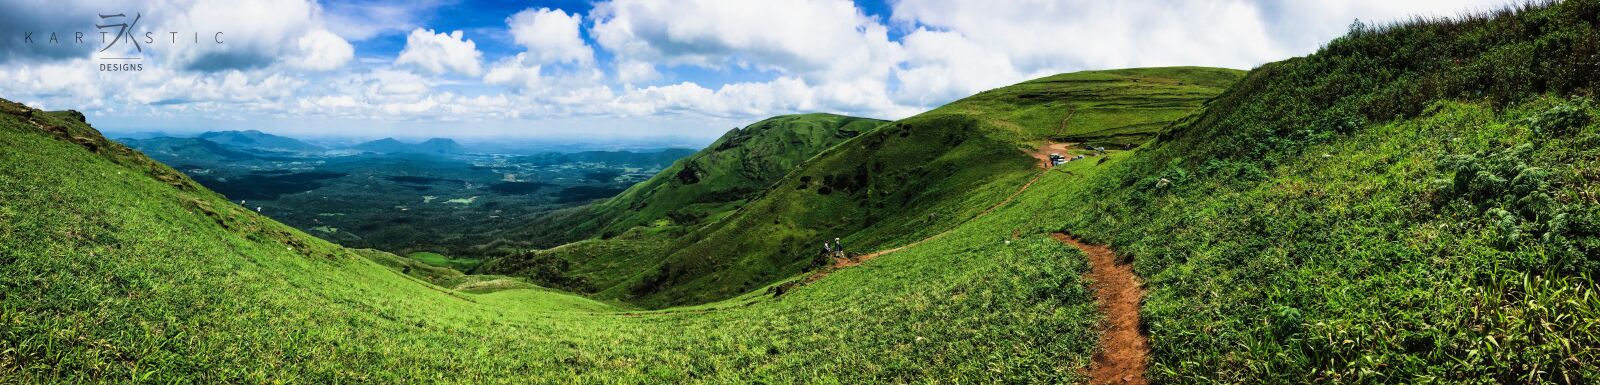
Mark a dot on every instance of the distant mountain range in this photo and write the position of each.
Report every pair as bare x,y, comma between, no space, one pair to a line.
257,140
395,146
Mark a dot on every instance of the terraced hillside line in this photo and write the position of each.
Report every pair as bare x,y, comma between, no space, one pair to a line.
1123,349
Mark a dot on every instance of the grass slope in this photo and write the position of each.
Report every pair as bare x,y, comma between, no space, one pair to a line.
916,177
705,185
624,235
1412,204
117,269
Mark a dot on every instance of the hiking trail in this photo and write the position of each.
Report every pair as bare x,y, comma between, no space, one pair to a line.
1124,350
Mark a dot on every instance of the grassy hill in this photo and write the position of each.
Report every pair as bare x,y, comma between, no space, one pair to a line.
705,185
1414,203
621,237
118,269
916,177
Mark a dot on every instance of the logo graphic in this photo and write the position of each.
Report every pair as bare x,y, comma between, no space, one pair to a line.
122,33
118,28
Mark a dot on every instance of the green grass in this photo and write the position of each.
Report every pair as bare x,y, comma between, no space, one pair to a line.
436,259
1412,204
750,218
159,281
705,185
614,241
910,179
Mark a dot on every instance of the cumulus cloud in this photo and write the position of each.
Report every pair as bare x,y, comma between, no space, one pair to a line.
551,36
633,72
825,55
440,53
820,40
961,47
256,33
322,50
557,62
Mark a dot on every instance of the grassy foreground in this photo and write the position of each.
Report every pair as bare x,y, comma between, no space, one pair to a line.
117,269
1416,203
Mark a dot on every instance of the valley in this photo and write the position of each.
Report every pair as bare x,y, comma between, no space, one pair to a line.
435,196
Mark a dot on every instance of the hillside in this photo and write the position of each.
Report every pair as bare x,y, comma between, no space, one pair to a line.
613,241
164,281
1413,203
916,177
710,182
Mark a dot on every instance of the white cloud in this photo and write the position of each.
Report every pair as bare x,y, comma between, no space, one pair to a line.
960,48
440,53
256,33
557,62
826,55
551,36
944,65
820,40
322,50
633,72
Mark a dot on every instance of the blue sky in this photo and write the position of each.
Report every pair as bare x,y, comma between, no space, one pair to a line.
683,70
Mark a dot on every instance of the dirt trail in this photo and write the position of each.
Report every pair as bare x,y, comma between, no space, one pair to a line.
1123,348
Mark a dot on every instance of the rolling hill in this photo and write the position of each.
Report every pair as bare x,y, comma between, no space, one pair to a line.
165,281
630,231
257,140
1414,203
906,180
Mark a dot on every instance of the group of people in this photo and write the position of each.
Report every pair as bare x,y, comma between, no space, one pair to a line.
833,249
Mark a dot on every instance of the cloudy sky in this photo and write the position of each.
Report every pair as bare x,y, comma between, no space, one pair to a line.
635,68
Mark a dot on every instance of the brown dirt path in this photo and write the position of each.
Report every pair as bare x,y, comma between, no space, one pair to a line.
1123,348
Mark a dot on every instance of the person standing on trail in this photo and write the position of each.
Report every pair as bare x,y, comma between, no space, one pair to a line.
838,247
827,248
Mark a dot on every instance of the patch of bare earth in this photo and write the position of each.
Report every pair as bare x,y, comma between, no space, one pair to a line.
1124,350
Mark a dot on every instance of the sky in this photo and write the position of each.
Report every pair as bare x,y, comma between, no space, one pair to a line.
582,70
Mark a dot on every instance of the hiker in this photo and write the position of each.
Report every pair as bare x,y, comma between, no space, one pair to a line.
827,248
838,247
